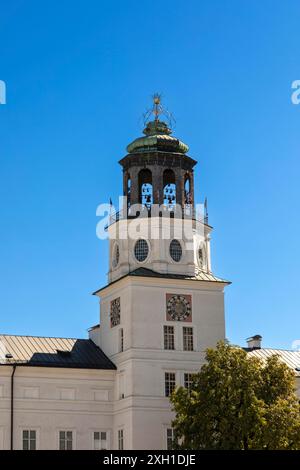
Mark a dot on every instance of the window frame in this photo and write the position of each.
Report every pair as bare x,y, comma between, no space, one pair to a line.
191,336
148,252
107,432
165,327
121,340
190,381
181,253
121,439
165,382
30,429
167,429
73,431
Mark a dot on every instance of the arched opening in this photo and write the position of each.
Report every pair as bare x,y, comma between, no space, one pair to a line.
128,190
169,191
202,257
145,188
187,190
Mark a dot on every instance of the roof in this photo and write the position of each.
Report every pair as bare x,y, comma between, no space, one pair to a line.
146,272
199,276
157,138
290,358
52,352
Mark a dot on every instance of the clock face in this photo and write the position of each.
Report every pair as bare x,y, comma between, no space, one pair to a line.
179,307
115,312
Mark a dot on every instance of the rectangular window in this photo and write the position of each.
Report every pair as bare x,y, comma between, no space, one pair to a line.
170,438
188,339
188,380
29,439
121,340
65,440
169,341
100,440
121,439
121,386
170,383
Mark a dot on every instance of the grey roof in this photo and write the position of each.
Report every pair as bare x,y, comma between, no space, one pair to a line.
199,276
146,272
290,358
52,352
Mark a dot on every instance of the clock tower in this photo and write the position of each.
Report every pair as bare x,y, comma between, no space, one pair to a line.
163,305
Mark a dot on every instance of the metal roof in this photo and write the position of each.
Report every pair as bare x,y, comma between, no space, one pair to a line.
198,276
145,272
290,358
52,352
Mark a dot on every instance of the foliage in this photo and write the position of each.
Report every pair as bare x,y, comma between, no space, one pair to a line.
238,402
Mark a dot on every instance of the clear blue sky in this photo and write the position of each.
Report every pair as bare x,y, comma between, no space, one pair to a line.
79,76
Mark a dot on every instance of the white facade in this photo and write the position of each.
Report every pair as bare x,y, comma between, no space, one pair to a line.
50,400
140,387
159,312
130,400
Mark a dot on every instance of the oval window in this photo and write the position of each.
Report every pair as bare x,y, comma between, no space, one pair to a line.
141,250
175,250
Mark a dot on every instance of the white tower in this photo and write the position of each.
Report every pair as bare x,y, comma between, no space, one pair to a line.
162,306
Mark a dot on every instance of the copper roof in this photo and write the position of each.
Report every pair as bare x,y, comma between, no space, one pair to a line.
290,358
52,352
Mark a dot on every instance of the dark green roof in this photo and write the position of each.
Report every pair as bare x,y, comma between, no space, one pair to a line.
157,138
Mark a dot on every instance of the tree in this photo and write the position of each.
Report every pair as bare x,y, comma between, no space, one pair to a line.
238,402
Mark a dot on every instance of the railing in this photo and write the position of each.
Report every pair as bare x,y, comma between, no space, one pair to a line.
185,212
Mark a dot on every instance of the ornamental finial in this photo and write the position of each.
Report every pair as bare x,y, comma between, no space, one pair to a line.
158,109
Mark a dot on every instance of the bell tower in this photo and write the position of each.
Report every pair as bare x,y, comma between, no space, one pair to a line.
158,191
163,305
157,169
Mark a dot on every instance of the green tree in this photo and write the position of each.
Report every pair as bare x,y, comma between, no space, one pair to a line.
238,402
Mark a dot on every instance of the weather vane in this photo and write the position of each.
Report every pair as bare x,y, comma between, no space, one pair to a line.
157,110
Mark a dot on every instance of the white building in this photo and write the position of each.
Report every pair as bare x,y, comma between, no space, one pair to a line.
162,307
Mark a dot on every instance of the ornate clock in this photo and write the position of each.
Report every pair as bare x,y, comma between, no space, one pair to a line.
179,307
115,312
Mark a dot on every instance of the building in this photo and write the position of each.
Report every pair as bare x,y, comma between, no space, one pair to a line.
161,308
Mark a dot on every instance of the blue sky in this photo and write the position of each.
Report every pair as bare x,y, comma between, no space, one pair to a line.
79,75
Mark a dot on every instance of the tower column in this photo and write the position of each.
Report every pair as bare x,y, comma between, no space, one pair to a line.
158,190
134,185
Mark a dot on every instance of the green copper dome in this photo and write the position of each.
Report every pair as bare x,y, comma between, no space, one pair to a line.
157,138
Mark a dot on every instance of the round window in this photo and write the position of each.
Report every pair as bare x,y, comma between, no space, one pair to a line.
141,250
116,256
175,250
